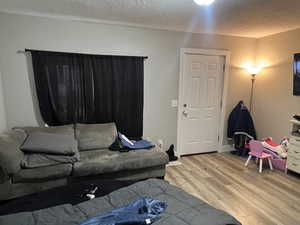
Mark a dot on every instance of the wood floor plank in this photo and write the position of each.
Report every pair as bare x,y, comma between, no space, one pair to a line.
222,180
265,191
249,191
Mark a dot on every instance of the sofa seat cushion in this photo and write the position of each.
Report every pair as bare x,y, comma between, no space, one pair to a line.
31,161
106,161
43,173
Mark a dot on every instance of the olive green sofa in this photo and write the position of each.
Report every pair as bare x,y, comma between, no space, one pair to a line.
94,160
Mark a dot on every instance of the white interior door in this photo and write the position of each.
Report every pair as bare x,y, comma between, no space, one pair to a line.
200,103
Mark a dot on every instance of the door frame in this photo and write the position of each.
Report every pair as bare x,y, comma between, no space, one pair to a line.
223,103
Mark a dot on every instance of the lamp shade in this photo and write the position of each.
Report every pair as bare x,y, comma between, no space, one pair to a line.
253,70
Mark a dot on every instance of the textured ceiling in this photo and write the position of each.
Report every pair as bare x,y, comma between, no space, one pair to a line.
251,18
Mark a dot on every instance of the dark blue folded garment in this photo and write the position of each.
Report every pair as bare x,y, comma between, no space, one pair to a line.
142,144
140,212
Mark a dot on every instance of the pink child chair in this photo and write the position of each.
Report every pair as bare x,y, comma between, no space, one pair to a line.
257,150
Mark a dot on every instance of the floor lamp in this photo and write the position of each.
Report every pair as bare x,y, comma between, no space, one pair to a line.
253,71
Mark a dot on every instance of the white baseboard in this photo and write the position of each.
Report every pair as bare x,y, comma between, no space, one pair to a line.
223,148
226,148
174,163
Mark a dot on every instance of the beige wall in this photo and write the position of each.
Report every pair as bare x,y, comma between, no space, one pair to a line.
3,124
274,103
161,69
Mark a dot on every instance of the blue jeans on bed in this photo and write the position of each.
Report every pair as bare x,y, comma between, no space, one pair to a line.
140,212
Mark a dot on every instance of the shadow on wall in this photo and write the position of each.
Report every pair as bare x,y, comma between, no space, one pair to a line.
36,108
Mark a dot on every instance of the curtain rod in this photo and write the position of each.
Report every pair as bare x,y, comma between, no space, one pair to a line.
30,50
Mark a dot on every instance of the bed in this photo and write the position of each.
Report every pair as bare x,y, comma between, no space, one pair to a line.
183,209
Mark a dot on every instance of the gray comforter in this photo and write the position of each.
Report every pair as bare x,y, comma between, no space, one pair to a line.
183,209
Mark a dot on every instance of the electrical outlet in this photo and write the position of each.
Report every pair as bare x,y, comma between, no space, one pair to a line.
174,103
147,139
160,144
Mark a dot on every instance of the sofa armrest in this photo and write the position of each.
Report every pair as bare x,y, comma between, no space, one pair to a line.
10,153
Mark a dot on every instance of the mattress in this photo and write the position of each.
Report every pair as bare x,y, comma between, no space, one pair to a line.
183,209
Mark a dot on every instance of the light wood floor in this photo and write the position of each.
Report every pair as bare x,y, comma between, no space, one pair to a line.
220,179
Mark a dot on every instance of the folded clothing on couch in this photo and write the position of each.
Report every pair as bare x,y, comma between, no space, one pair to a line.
142,144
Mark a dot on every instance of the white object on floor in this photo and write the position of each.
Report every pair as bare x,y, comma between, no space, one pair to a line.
90,196
174,163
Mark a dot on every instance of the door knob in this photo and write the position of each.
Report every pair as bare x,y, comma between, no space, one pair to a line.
185,112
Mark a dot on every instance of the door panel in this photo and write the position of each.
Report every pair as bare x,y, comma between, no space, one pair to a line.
201,90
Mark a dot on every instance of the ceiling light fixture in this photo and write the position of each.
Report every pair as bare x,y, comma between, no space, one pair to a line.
204,2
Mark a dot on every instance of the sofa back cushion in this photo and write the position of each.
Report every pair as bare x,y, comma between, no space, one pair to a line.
95,136
10,153
65,129
50,143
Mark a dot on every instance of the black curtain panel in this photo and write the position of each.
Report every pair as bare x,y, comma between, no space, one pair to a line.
80,88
